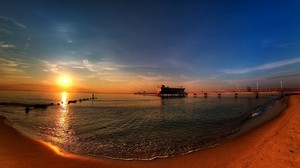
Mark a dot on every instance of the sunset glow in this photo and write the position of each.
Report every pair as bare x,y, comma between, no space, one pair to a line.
201,45
64,81
64,101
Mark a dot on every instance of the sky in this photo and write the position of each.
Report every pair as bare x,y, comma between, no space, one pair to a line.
136,45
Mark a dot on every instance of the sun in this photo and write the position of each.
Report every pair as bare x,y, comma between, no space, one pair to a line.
64,81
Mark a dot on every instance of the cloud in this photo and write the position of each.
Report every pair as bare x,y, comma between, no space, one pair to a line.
13,21
284,76
78,67
192,82
153,77
3,45
106,70
268,66
89,66
7,62
214,76
283,45
18,77
49,67
184,77
9,66
93,67
98,66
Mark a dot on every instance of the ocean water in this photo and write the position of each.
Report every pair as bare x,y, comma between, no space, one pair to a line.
127,126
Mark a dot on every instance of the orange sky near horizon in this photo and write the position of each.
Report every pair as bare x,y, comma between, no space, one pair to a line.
74,85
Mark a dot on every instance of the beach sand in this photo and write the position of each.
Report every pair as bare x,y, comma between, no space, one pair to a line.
275,144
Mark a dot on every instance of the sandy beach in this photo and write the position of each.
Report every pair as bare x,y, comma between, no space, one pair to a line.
275,144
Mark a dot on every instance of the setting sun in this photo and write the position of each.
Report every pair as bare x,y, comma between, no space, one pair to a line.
64,81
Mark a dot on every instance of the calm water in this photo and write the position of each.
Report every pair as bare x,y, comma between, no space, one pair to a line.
129,126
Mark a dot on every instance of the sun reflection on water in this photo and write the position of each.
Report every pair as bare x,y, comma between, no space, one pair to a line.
64,96
62,123
63,136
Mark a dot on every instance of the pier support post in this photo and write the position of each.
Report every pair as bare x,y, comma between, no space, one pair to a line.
27,109
256,95
236,95
205,95
219,95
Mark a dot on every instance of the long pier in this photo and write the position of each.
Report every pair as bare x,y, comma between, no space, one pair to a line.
236,94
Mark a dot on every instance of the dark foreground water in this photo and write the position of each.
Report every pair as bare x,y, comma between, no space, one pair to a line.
130,126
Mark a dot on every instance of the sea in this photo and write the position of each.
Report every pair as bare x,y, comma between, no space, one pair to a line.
129,126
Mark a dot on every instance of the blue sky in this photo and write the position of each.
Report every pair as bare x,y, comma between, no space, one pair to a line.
143,44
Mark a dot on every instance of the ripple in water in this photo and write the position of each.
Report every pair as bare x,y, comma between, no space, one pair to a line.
132,127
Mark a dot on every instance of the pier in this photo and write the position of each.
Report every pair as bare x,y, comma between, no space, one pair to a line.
255,94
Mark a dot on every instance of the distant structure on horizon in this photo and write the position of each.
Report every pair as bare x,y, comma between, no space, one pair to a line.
166,92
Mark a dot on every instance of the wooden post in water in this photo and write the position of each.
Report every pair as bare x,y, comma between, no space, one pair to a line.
194,95
236,95
256,95
27,109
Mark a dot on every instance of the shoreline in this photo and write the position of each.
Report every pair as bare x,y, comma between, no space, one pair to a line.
256,148
259,118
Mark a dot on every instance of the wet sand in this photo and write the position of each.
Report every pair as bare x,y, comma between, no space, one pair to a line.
275,144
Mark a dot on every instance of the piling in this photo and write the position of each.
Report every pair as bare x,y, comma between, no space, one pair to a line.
236,95
27,109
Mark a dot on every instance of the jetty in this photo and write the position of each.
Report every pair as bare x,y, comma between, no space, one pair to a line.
168,92
31,106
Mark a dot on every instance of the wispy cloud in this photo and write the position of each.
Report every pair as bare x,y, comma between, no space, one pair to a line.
284,76
184,77
10,66
96,69
153,77
13,21
283,45
4,45
51,67
89,66
7,62
107,70
268,66
17,77
99,66
214,76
